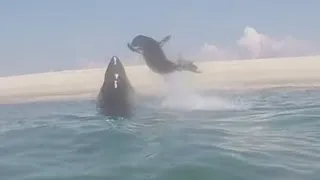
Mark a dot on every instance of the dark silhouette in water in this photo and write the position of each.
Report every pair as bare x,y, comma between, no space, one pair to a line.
155,58
116,96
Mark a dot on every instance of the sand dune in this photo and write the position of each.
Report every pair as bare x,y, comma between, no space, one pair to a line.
300,71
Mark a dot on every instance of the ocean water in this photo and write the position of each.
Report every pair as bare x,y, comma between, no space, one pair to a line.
216,135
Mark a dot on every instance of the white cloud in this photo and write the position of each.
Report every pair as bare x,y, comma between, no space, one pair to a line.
254,44
215,52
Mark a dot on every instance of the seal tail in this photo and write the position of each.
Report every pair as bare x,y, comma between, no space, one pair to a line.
184,65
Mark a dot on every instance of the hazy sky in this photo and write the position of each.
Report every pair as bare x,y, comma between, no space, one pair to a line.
44,35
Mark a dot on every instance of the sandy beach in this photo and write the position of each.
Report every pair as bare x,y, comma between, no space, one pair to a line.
85,84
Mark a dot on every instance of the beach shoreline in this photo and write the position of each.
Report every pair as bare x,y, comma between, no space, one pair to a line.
232,74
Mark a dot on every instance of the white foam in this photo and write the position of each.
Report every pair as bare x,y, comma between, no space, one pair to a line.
180,96
85,84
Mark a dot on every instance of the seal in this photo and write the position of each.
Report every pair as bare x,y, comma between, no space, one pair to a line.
116,95
156,60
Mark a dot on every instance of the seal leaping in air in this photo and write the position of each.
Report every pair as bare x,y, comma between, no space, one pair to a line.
156,60
116,96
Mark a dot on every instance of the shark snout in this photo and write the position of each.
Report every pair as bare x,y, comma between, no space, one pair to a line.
114,60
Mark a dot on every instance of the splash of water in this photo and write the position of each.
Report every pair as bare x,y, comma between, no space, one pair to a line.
179,96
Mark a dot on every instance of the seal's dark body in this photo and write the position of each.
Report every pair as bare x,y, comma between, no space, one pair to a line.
156,60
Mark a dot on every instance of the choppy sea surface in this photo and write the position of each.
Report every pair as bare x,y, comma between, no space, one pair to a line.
217,135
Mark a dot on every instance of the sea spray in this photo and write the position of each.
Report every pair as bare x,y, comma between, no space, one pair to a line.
180,96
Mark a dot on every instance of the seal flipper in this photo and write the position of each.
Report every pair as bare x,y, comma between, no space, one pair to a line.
164,40
184,65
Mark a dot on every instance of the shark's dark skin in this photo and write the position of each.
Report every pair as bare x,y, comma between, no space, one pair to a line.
116,96
156,60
